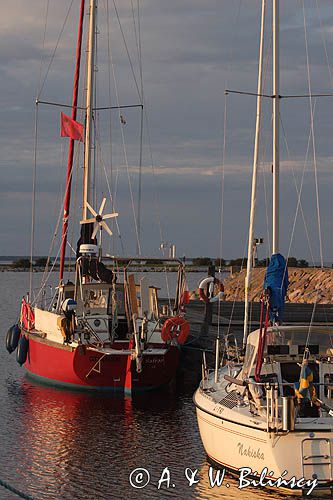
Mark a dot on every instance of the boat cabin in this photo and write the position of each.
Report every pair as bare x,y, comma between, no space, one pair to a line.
285,351
106,309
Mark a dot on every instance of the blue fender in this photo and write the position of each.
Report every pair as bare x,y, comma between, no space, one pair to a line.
12,338
9,340
16,333
22,350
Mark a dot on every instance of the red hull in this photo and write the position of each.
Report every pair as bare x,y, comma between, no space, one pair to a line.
80,367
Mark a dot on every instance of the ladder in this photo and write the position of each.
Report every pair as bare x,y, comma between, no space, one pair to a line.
317,459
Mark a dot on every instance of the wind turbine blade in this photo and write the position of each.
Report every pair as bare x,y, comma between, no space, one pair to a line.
101,208
87,221
95,231
110,216
91,209
106,227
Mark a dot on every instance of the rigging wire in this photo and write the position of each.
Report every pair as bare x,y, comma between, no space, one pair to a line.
155,194
55,233
110,187
82,111
43,285
74,207
38,94
34,173
113,204
43,47
331,82
239,285
33,207
144,118
114,177
55,50
95,116
126,48
137,34
299,195
325,45
143,115
222,203
124,149
313,139
139,49
233,43
222,177
231,57
264,142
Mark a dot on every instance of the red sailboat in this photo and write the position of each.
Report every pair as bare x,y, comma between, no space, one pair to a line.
99,331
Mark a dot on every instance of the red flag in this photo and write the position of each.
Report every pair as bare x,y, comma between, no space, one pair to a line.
71,128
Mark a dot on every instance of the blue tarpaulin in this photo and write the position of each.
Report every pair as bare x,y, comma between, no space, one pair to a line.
276,284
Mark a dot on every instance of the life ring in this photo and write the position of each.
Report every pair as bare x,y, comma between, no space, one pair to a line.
27,315
211,281
175,328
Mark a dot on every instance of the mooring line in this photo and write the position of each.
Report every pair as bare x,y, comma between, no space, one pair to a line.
16,491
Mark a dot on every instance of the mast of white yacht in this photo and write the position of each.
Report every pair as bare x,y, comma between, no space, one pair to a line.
276,117
89,103
254,175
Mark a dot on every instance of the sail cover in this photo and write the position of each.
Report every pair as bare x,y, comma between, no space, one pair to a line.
276,284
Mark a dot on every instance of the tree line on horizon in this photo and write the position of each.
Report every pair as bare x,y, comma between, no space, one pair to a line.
24,263
242,262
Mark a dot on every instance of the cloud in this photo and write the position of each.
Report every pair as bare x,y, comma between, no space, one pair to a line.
192,50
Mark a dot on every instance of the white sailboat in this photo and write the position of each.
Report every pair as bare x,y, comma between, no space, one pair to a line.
267,416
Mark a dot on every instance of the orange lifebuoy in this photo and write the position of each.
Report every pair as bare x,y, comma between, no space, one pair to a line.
27,315
176,328
212,282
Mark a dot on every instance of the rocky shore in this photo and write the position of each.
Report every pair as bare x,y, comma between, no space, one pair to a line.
306,285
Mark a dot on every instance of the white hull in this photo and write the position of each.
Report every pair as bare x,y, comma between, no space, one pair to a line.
235,439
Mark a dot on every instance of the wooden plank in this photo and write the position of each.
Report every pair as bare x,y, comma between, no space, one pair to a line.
144,297
132,294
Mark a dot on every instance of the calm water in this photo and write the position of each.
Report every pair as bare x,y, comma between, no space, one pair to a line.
57,444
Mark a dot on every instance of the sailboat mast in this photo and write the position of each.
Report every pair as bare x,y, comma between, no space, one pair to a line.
254,175
71,145
89,103
276,117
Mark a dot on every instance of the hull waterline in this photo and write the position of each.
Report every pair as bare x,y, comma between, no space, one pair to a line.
83,368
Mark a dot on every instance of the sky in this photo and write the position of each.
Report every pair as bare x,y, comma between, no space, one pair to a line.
198,143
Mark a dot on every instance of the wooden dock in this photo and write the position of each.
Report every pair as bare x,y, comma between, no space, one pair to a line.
231,317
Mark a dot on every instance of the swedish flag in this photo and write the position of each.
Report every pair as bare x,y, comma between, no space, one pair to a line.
304,389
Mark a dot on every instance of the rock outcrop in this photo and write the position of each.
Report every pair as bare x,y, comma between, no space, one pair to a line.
306,285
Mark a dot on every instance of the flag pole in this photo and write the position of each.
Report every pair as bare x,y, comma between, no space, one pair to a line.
71,146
